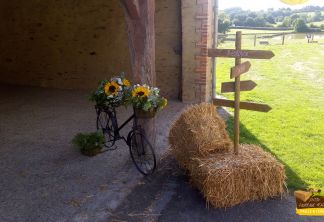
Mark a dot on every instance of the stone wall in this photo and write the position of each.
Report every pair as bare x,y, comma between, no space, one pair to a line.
74,44
168,46
62,44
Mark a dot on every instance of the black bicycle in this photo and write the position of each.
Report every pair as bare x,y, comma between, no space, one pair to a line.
141,150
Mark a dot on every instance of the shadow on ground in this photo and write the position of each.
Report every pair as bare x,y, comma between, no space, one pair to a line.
169,196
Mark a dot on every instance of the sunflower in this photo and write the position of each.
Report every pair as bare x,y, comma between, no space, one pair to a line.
140,91
126,82
111,88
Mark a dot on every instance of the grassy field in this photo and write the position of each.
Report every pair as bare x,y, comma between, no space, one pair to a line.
318,23
292,83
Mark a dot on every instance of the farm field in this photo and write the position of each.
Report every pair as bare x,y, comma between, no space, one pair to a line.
292,83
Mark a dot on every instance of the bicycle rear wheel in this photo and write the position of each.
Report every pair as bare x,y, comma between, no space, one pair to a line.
104,124
142,153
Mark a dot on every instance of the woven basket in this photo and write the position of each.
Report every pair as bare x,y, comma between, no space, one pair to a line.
141,114
91,152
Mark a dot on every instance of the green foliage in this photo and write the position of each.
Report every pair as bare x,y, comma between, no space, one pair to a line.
103,97
300,26
286,22
89,141
223,24
285,16
146,98
317,16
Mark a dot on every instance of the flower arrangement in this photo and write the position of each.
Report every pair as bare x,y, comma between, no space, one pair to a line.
146,98
111,93
118,91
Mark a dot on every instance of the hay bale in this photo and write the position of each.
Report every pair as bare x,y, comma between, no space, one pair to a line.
198,132
227,179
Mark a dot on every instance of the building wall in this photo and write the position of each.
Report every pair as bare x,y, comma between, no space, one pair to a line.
74,44
168,46
62,44
197,21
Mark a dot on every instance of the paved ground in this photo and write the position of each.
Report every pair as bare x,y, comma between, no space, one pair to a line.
44,178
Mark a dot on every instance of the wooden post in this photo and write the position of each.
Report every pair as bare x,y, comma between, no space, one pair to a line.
141,40
283,38
255,40
238,46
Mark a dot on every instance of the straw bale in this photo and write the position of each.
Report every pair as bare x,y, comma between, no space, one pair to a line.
227,179
199,131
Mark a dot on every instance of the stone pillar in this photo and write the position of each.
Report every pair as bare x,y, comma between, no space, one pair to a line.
197,18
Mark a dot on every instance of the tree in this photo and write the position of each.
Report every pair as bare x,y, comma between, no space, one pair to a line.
317,16
259,21
286,22
236,22
300,26
250,22
270,19
223,25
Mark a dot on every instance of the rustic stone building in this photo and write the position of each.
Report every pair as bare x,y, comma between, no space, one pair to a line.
74,44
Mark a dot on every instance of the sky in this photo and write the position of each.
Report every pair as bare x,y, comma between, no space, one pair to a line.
254,5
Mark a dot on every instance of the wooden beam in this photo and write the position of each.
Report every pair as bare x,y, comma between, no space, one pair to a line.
247,85
240,69
237,95
243,105
132,8
233,53
141,41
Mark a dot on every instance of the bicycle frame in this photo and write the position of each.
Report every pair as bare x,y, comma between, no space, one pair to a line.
112,115
141,150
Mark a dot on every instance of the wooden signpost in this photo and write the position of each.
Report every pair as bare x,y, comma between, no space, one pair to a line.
245,86
240,69
238,85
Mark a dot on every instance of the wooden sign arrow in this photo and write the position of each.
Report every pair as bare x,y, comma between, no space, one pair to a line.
243,105
244,86
240,69
233,53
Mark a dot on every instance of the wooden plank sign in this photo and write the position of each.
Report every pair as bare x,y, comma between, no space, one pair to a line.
244,86
238,85
234,53
240,69
243,105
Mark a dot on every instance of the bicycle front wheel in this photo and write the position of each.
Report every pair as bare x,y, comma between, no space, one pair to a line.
142,153
104,124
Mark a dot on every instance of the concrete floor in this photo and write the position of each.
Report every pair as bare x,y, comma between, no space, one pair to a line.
44,178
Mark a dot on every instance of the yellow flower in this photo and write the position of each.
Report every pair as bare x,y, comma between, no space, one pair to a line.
164,103
126,82
111,88
140,91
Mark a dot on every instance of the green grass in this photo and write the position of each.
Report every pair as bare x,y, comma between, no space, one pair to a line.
318,23
292,83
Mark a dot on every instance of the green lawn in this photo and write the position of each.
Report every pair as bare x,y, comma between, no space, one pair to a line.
318,23
292,83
